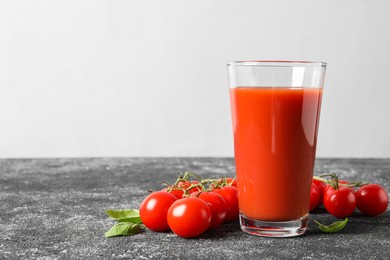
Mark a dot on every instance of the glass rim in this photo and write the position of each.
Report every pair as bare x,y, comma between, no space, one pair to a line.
277,63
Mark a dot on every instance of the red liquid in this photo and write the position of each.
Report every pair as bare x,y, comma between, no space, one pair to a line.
275,136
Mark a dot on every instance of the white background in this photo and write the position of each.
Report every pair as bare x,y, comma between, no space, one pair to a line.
148,78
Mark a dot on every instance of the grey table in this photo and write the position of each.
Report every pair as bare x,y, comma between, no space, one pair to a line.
54,209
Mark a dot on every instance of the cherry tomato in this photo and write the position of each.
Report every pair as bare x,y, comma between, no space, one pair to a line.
230,195
189,217
340,203
176,192
372,199
229,181
186,184
154,208
216,204
321,188
342,183
314,196
232,182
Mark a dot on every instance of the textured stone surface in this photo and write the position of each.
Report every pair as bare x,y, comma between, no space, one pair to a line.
54,209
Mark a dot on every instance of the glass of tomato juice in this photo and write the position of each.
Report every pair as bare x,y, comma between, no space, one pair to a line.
275,107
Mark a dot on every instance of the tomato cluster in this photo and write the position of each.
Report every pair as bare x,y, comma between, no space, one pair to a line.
340,198
190,207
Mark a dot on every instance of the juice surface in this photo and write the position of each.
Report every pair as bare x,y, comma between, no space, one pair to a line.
275,136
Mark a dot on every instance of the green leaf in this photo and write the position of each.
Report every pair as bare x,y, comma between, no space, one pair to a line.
125,215
332,228
123,229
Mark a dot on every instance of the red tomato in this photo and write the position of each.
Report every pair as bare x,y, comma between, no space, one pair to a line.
372,199
232,182
230,195
342,183
229,181
154,208
176,192
326,188
216,204
314,196
340,203
189,217
321,188
186,184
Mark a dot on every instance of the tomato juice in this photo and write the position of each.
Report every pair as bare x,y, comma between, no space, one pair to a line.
275,136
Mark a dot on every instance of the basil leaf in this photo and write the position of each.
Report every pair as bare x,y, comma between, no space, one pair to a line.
332,228
125,215
123,229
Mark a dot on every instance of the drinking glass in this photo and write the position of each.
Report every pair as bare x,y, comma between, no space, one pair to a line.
275,108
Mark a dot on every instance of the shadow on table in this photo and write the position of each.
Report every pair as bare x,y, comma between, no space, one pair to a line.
357,223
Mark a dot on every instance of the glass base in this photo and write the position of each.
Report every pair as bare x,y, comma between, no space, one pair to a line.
274,229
